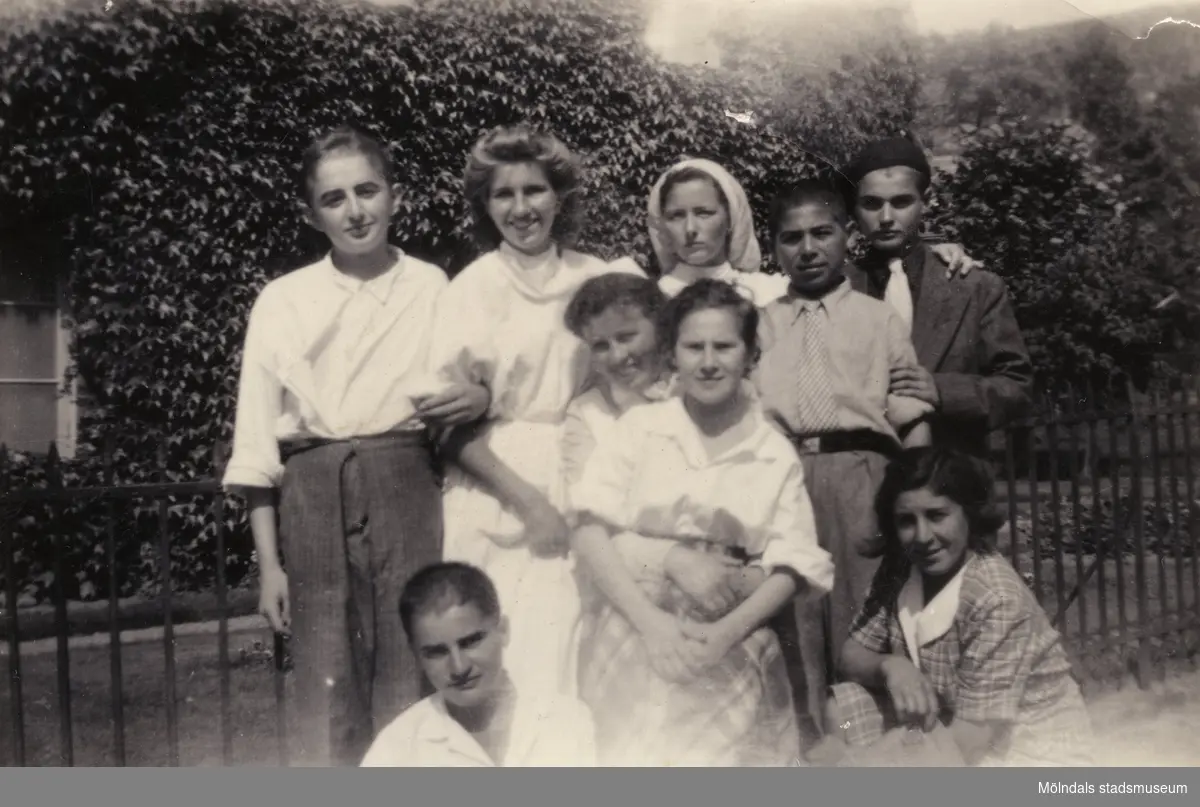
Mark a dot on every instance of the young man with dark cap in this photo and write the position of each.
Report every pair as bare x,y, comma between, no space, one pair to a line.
975,370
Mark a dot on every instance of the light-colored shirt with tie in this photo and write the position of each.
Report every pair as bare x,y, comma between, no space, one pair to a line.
864,340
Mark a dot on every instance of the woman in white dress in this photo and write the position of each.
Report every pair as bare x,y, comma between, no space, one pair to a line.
501,324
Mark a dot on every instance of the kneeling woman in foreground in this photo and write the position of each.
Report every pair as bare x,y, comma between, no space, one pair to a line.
669,681
951,640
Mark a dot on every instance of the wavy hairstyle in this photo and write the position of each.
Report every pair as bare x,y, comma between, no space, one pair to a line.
959,477
598,294
521,143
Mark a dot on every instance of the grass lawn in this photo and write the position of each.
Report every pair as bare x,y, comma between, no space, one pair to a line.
1103,663
252,679
198,699
1154,727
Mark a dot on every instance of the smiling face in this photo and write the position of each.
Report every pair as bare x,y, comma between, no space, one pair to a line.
711,357
461,651
523,206
350,202
933,530
889,208
811,246
696,221
624,347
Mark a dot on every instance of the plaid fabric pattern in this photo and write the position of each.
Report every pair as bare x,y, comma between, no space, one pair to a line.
738,714
356,520
1001,662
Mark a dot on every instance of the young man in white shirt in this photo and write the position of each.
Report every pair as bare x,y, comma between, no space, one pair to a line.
332,452
476,717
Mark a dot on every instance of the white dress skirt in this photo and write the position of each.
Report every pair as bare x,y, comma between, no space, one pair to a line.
501,323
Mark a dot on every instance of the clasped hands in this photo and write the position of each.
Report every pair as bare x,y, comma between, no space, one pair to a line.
681,649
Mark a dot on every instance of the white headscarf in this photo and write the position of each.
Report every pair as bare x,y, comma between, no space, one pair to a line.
744,254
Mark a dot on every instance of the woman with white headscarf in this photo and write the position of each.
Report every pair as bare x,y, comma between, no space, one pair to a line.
701,227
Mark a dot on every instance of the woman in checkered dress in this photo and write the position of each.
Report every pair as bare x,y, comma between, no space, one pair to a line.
951,641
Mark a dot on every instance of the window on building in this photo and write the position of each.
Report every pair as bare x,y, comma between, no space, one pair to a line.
35,409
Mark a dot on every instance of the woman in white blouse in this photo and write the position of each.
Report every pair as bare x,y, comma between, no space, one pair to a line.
669,681
500,324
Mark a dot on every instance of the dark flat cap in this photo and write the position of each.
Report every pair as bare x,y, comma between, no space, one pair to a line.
889,153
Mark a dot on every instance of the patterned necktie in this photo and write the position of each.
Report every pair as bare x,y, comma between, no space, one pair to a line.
897,293
815,405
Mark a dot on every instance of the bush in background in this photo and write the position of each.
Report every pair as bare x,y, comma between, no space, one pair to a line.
1033,204
161,141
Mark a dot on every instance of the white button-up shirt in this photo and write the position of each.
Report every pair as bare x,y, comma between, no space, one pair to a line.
653,477
327,355
547,732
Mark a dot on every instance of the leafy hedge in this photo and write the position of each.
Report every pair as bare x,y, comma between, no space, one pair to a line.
160,144
1032,202
163,142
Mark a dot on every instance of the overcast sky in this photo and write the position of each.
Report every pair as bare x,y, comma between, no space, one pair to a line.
947,15
954,15
690,17
680,29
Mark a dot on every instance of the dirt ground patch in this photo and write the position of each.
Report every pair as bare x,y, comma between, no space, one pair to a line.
1155,727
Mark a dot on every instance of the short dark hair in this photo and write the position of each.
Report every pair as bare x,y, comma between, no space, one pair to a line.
343,138
963,479
598,294
690,173
522,143
701,296
442,585
807,191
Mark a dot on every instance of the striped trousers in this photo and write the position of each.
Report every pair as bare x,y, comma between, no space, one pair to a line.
356,519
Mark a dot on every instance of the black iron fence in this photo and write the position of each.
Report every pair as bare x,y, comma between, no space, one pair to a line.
1103,525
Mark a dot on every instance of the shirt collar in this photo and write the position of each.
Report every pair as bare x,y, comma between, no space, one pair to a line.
542,260
830,301
378,287
445,730
925,622
686,274
683,431
876,263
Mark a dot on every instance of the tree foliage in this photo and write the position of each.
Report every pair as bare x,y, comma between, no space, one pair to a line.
161,142
1135,97
1032,202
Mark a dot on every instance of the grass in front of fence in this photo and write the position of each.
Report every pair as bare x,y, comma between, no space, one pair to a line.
253,693
198,699
1171,621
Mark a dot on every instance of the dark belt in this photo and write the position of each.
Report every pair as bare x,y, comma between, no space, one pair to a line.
416,438
841,442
